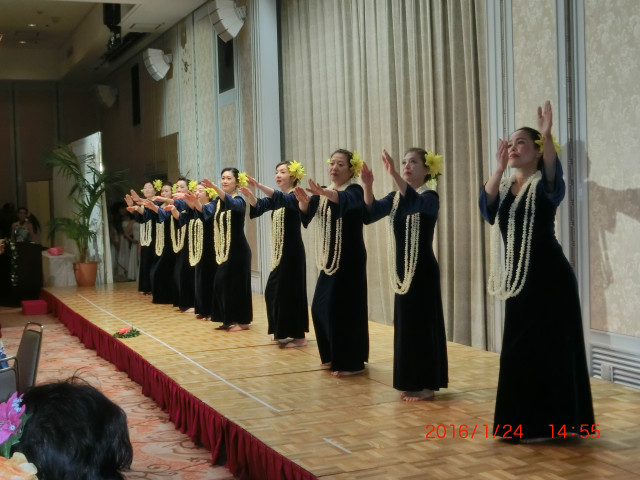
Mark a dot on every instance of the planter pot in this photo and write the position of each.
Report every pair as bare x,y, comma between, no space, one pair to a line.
85,273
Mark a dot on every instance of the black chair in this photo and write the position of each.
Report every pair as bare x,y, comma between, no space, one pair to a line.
28,355
8,378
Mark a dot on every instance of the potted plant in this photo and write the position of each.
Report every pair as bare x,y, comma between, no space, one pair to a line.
88,186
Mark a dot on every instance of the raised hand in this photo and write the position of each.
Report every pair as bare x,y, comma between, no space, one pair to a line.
207,183
388,162
314,188
366,175
545,119
301,195
252,181
502,155
134,195
128,200
169,208
249,195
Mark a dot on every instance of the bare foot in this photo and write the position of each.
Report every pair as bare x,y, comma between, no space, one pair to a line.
347,373
239,327
425,394
326,365
188,310
296,342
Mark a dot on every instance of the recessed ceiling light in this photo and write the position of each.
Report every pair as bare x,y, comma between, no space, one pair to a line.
22,42
31,25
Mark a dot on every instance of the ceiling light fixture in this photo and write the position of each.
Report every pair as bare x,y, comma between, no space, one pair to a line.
31,25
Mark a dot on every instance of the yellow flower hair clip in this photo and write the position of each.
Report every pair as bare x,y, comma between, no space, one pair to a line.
242,179
296,170
356,164
157,184
433,162
556,146
174,188
192,185
211,192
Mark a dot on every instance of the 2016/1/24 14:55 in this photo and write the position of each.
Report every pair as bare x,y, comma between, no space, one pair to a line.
509,431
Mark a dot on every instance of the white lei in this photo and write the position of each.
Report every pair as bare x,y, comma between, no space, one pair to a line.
145,233
323,236
411,245
180,233
222,234
506,284
196,238
277,237
159,238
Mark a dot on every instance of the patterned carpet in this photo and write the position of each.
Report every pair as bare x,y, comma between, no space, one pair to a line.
160,451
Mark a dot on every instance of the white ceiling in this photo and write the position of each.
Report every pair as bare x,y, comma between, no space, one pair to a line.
69,37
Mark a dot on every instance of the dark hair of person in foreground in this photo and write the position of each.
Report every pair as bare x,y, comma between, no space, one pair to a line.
75,432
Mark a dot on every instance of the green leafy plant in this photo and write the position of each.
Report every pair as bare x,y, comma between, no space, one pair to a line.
86,191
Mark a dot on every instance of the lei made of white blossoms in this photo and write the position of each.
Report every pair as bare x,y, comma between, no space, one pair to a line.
323,236
196,238
222,234
146,228
411,245
503,282
277,237
177,236
159,238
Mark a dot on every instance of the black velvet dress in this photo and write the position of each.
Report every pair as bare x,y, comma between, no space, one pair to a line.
183,273
339,307
232,302
162,287
205,269
286,290
420,345
147,252
544,379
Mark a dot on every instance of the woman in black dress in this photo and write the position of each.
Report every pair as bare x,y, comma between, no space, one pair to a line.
232,284
201,253
182,219
339,307
543,385
162,288
147,234
286,290
420,346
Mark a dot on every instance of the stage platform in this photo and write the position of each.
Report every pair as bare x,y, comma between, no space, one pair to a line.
272,413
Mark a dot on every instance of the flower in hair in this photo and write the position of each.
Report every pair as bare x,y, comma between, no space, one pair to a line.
157,184
434,164
192,185
174,188
296,170
356,164
242,179
556,146
211,192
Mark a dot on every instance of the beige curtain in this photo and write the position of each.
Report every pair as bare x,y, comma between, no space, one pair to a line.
372,74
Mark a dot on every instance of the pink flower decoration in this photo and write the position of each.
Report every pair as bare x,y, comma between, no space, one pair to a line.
124,330
10,413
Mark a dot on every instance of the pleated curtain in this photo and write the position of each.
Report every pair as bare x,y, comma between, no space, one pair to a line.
369,75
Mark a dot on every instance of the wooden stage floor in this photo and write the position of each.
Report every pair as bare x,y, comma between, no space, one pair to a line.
357,428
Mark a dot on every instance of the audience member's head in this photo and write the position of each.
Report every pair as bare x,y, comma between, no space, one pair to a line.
75,432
